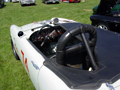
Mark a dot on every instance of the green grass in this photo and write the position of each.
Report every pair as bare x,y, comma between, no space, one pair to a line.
12,73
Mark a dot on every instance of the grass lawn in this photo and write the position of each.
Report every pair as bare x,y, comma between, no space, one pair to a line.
12,73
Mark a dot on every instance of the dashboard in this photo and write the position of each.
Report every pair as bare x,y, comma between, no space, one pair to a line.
46,39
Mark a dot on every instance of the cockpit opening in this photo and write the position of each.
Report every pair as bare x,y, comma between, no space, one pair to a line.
47,41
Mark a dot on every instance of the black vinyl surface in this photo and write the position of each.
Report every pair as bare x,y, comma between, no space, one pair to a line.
108,57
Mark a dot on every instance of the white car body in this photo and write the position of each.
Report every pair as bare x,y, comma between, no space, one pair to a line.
33,60
26,2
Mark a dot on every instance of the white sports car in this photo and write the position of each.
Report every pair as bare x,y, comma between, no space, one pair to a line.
61,54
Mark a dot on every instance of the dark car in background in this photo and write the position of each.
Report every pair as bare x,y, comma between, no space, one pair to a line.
49,1
115,6
1,3
106,16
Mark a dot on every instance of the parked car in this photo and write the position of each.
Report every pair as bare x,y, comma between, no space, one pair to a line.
15,1
71,1
61,54
1,3
27,2
106,7
49,1
106,19
107,22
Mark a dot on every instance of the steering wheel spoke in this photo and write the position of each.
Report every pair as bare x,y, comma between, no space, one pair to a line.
46,39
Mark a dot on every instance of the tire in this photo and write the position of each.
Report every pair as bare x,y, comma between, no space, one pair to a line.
68,1
57,2
14,51
33,4
3,4
46,2
103,26
21,4
0,6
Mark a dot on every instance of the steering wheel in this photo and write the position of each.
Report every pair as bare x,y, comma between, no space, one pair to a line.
49,36
46,37
80,29
35,36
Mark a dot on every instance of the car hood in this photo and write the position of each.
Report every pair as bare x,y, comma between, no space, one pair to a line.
30,26
42,23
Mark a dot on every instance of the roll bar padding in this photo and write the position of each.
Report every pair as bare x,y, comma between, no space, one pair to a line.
60,54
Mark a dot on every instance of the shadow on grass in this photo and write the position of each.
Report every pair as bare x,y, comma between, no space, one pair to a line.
24,5
50,3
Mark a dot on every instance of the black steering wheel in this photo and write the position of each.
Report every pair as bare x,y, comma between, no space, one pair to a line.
48,37
34,37
79,29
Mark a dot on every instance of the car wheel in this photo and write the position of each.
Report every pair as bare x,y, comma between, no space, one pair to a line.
33,3
103,26
68,1
3,4
0,5
46,2
22,5
14,51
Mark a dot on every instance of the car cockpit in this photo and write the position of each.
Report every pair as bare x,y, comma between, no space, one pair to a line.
67,44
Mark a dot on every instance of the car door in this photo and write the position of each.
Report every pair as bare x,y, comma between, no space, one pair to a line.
31,59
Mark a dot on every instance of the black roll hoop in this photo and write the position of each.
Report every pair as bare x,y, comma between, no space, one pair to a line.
80,29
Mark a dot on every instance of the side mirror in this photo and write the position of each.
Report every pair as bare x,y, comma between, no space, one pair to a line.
20,33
